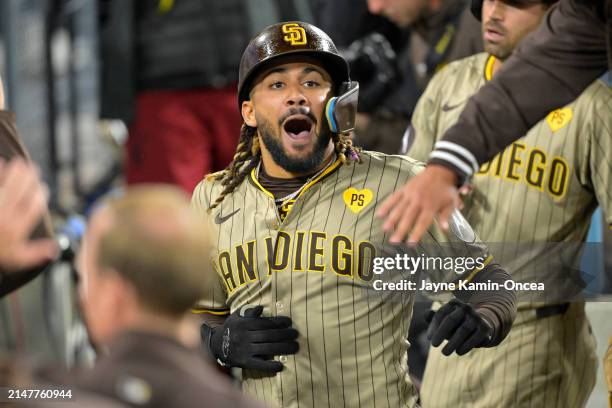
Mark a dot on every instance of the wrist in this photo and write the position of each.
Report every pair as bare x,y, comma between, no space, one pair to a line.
490,319
444,172
208,333
447,172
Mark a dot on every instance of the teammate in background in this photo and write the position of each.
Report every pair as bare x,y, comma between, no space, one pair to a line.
141,269
542,188
25,244
295,238
550,69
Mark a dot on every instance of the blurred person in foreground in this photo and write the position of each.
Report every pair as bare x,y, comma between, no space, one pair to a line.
571,49
142,266
25,244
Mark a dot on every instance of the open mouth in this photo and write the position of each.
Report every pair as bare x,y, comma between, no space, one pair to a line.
298,127
492,34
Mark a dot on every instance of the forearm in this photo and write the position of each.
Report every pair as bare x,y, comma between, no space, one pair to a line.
498,307
213,322
550,69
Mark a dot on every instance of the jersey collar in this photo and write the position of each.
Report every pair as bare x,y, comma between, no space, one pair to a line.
312,182
488,71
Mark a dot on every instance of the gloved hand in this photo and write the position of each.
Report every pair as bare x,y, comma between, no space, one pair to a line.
459,323
248,340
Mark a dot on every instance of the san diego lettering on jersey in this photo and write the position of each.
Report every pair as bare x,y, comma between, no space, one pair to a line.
306,251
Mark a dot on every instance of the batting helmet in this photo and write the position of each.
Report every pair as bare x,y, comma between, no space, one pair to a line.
476,9
289,38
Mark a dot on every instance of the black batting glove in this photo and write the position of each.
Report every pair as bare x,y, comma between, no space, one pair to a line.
248,340
459,323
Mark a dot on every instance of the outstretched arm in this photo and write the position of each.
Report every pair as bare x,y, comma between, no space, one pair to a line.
550,69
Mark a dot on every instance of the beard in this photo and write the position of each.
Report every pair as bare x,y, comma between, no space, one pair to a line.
300,165
500,51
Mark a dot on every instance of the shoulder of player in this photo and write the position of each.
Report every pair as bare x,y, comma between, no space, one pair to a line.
468,67
598,94
594,102
211,180
392,162
213,176
210,185
459,79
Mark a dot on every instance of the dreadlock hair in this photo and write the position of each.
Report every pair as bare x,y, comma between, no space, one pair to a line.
344,147
248,151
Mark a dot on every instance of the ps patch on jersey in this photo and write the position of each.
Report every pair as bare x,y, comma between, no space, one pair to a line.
558,118
357,200
461,228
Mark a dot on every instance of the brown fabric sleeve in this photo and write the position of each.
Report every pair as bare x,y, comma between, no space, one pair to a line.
498,307
11,146
548,70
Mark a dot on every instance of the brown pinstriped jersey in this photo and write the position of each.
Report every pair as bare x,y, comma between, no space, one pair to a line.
542,188
316,267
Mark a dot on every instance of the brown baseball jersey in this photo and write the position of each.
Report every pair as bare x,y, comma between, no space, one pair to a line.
542,189
316,266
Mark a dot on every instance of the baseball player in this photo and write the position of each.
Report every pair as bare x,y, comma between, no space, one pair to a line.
296,240
551,68
542,188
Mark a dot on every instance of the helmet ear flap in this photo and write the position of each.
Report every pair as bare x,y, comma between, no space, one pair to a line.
341,110
329,114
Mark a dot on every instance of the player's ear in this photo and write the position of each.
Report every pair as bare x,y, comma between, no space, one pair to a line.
248,113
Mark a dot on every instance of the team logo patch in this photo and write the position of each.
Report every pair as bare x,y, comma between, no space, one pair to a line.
461,228
295,35
284,209
357,200
558,118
